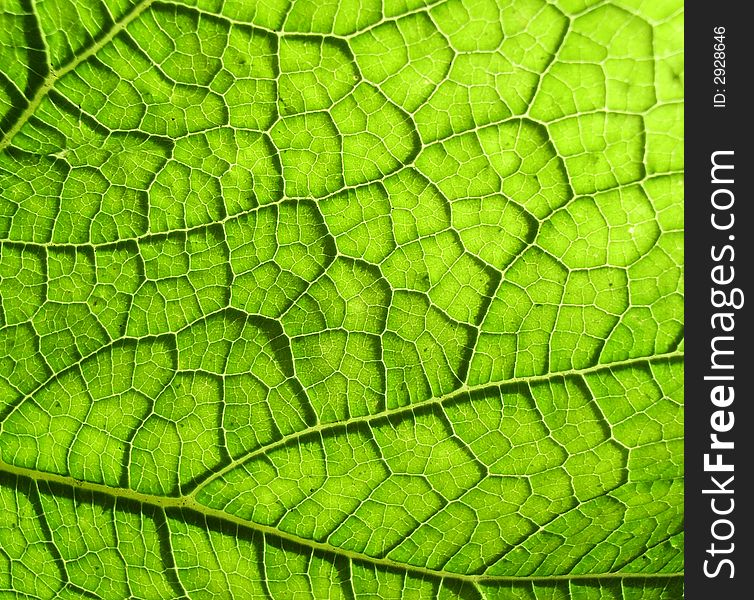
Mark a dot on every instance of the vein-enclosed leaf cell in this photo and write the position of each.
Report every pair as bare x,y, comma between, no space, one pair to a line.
341,299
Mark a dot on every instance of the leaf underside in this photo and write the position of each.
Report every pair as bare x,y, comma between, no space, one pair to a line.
356,299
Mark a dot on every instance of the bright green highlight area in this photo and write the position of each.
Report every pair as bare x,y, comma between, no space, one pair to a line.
350,299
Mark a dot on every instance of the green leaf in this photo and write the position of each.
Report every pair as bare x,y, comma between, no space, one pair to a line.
341,299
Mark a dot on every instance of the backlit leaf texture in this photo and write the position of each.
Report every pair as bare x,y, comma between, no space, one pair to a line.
312,299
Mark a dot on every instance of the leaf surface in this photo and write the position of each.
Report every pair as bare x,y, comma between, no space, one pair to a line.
341,299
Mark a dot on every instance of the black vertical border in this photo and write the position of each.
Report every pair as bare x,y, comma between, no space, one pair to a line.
708,129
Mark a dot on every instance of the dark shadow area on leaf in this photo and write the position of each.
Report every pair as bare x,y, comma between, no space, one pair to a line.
116,505
18,104
340,565
24,486
461,590
37,71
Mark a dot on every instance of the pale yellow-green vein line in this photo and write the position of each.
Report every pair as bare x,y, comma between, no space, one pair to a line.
188,503
460,392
